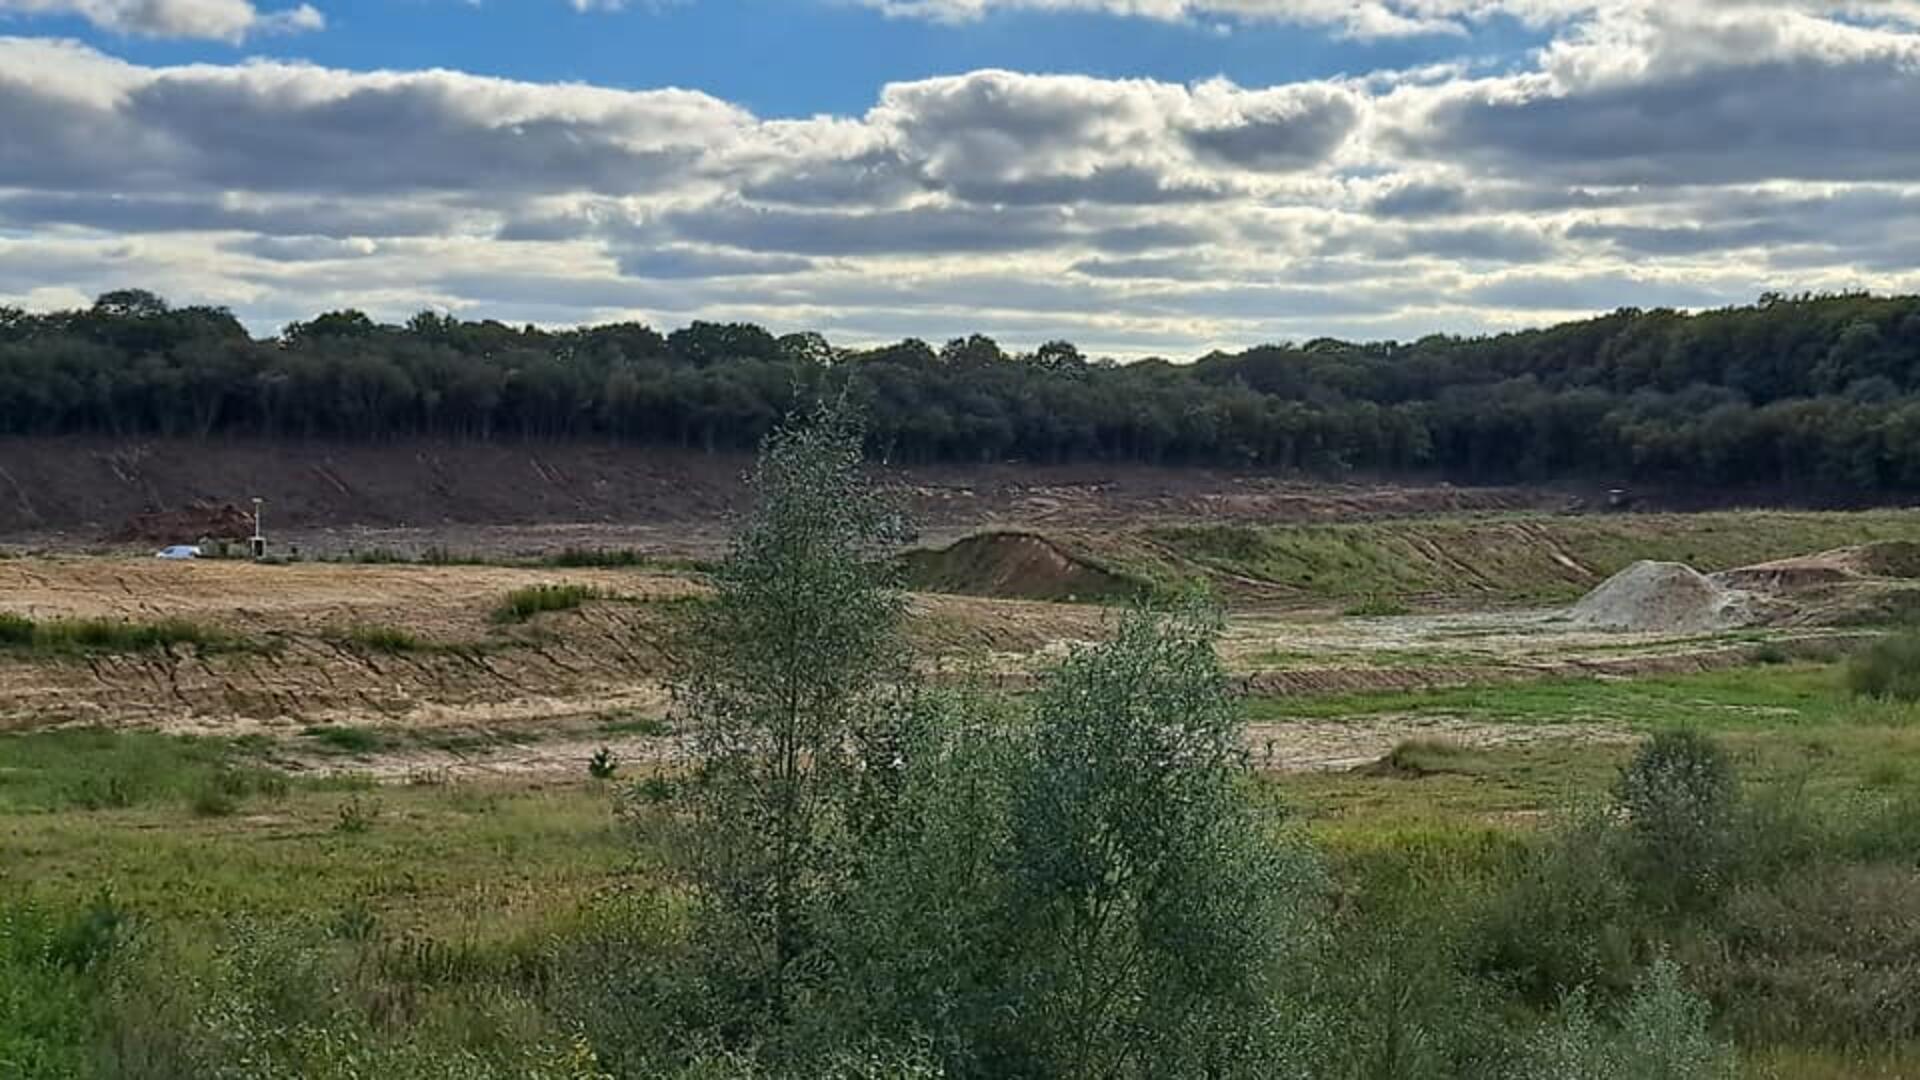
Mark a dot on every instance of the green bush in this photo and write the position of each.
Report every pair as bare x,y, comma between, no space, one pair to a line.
285,1002
523,604
47,987
1563,919
1679,795
1662,1034
211,799
1829,954
1889,668
15,630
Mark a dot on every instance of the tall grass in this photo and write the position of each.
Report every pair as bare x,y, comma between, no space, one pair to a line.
93,769
99,635
523,604
1888,669
386,639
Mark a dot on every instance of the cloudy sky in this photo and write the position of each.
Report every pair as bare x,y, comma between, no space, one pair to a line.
1140,176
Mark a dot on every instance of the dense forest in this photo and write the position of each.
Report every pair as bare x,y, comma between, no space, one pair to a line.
1804,391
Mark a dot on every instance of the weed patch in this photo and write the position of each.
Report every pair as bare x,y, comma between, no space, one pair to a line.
385,639
523,604
358,741
79,636
1888,669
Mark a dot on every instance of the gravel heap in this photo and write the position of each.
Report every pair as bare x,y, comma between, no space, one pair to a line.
1662,597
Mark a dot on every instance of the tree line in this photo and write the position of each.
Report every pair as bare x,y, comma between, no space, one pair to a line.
1814,390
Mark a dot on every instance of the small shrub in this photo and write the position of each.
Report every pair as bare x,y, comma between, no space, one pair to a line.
270,784
626,724
356,816
90,938
1415,758
106,791
350,740
1830,954
218,793
386,639
1564,918
574,557
1662,1035
524,604
1377,607
1886,774
655,790
1889,668
355,921
212,798
1679,795
15,630
603,764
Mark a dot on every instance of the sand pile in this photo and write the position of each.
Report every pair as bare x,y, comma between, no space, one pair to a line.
1014,565
1662,597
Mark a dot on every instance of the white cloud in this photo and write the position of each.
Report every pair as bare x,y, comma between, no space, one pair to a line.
1384,18
219,20
1673,95
1625,162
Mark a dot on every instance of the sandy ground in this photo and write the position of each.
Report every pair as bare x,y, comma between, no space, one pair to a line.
538,698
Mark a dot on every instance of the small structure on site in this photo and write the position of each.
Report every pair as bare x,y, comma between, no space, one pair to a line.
258,545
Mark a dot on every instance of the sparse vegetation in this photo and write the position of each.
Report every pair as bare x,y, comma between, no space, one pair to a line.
110,635
356,816
524,603
385,639
1377,607
630,724
348,740
1889,668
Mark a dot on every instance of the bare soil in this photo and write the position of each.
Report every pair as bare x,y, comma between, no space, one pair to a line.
475,697
328,495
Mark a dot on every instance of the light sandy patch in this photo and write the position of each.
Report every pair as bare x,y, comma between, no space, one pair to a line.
1330,745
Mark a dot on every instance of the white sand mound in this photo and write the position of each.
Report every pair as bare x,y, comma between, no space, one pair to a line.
1662,597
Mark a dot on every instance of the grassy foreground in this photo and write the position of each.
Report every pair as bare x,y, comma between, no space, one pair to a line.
155,891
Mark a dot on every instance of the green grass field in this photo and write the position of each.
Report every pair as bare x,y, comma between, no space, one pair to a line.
462,901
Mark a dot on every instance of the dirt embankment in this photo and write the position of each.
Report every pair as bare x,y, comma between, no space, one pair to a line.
91,490
1015,565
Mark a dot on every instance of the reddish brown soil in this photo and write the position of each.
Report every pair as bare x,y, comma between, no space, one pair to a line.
80,490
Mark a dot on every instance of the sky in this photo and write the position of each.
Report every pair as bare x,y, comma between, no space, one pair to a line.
1141,177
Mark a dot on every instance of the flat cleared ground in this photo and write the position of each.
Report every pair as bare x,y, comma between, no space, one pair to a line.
465,694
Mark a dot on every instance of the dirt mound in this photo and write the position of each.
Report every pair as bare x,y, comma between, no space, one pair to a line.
201,520
1888,558
1659,597
1014,565
1885,559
